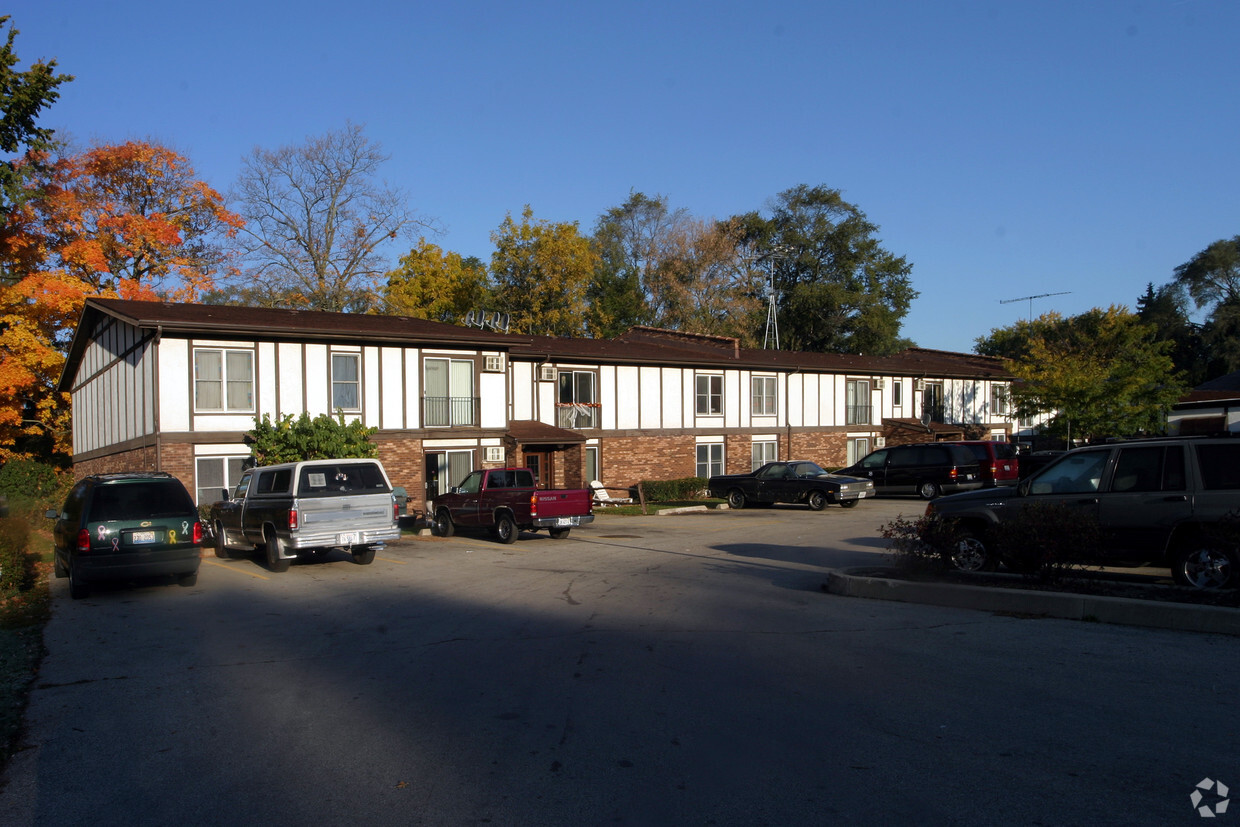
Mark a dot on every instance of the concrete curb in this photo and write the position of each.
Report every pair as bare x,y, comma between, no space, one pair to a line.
1156,614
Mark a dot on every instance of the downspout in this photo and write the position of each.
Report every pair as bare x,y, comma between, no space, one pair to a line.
159,444
788,407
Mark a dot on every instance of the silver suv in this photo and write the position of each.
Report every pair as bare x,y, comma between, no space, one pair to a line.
1173,502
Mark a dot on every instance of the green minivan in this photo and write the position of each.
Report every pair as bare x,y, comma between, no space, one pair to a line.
126,526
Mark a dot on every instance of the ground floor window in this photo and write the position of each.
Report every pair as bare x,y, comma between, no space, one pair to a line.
858,447
445,469
710,459
215,473
764,452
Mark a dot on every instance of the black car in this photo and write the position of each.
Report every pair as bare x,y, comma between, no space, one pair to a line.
790,482
927,469
125,526
1171,502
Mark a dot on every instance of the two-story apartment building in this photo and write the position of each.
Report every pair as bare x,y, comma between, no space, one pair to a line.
175,387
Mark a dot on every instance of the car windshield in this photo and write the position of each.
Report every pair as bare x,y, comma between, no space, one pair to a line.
140,501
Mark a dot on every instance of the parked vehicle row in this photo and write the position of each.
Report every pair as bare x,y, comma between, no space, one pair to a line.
1172,502
927,469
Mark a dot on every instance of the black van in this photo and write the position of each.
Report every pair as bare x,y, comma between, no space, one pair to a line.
927,469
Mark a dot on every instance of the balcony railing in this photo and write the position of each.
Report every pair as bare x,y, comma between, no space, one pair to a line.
858,414
449,411
574,415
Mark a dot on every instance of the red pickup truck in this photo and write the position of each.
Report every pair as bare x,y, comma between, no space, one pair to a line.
506,501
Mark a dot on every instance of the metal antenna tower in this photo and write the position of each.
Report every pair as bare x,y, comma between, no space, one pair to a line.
779,251
1031,298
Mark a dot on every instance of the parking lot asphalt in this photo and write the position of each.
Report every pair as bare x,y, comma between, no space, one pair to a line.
649,670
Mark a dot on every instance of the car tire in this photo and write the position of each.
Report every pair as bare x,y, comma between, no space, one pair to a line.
972,554
1203,566
274,546
443,523
506,530
736,499
78,587
928,490
187,580
364,556
816,501
850,503
221,550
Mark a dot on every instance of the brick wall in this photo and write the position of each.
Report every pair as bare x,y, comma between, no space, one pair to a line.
625,461
175,458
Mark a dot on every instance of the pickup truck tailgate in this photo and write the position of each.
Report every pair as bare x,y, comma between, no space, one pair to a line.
356,519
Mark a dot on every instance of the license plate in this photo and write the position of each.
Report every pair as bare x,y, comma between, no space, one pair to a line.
862,494
562,521
139,537
349,539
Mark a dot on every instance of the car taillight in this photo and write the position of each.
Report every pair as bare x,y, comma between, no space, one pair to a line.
534,504
197,534
952,473
292,519
83,541
994,468
395,511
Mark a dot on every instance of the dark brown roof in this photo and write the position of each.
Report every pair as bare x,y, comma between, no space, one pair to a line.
532,432
638,346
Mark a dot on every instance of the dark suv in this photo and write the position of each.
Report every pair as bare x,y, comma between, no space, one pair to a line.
123,526
1172,502
927,469
997,461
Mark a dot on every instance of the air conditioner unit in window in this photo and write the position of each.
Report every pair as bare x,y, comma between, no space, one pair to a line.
880,442
880,383
546,373
495,453
494,364
919,385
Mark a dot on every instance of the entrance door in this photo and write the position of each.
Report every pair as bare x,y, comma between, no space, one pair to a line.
542,463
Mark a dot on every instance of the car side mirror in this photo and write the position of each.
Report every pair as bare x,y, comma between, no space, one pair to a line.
224,497
52,514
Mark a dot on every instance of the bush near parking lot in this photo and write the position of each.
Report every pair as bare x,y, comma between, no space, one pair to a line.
1048,541
660,491
33,487
16,571
922,547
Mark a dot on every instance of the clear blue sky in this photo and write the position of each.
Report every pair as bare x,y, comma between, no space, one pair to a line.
1004,148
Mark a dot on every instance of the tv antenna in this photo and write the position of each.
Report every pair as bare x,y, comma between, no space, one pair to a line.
1031,298
779,251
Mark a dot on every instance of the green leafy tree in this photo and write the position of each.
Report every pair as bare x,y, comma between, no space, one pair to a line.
432,284
633,241
1212,280
1165,309
541,272
303,438
23,96
838,289
1100,374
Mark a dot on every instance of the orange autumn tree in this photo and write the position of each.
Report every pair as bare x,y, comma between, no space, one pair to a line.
128,220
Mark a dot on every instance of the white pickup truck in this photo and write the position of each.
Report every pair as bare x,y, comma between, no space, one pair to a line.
306,509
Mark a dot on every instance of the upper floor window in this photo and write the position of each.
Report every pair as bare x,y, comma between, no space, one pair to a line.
346,381
223,380
577,403
709,394
448,395
999,400
858,408
897,393
762,395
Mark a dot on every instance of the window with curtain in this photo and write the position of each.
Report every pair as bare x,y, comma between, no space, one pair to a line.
346,381
223,380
